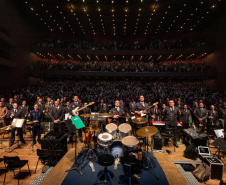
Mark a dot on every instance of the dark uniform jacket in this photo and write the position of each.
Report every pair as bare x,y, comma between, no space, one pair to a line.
115,111
74,105
9,106
157,114
36,115
24,109
172,116
201,113
185,115
214,114
104,110
17,114
57,114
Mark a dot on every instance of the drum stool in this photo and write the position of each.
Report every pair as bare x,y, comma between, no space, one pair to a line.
130,162
105,160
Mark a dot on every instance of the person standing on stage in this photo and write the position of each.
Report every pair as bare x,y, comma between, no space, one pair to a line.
57,114
105,109
141,106
3,113
36,114
201,116
212,121
172,116
185,116
74,105
15,113
155,113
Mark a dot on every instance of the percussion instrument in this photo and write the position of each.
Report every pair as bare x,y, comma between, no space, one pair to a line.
112,129
87,115
116,148
140,120
105,115
125,130
146,131
127,115
130,142
104,139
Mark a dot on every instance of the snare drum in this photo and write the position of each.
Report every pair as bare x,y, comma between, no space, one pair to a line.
112,129
125,129
104,139
130,142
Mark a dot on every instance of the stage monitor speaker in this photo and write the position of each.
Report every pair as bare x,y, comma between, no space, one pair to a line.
217,167
157,142
191,152
70,126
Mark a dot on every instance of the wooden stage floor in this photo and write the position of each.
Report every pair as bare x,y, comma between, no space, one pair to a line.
57,175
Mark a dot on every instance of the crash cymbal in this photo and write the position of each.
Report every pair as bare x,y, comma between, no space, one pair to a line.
140,120
105,115
127,115
35,121
146,131
29,122
87,115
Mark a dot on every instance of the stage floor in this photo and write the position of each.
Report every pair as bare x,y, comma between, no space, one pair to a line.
58,174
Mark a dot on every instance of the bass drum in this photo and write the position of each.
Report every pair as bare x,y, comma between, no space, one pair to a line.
116,149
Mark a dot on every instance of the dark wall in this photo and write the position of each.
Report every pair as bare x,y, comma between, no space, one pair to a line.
20,35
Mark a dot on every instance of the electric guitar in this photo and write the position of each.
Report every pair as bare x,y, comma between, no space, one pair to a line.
142,111
77,109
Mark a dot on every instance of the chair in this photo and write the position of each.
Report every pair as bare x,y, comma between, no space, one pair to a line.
14,163
43,156
105,160
58,154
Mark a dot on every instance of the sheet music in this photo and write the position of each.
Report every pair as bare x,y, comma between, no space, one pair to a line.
66,116
219,133
19,123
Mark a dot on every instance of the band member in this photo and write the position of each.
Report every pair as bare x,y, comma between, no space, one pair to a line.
15,113
101,104
201,116
57,114
36,114
51,104
123,107
185,116
24,109
212,121
155,113
67,108
3,102
117,111
141,106
172,116
104,109
74,105
9,105
3,113
40,105
179,105
86,110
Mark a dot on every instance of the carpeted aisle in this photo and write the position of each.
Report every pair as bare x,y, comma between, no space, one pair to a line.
147,177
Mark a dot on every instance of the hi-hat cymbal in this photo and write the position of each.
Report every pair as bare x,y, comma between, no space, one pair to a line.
35,121
127,115
29,122
105,115
140,120
146,131
87,115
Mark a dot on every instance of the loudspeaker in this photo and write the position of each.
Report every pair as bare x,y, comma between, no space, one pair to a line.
157,142
191,152
217,167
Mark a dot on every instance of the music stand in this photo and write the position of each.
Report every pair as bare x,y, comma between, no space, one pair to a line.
71,127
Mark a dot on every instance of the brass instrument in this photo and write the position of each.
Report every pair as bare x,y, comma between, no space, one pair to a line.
27,112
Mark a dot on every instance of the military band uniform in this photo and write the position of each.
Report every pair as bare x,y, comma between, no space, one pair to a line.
185,117
200,113
57,113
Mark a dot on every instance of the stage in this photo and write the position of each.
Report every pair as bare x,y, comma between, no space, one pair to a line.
58,174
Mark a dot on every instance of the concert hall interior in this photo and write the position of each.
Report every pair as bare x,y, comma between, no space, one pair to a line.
112,92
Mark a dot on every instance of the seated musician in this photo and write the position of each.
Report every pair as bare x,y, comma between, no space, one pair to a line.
172,116
36,114
104,109
15,113
155,113
56,115
117,111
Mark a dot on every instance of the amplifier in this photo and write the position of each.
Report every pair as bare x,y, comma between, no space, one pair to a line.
217,167
46,126
54,141
157,142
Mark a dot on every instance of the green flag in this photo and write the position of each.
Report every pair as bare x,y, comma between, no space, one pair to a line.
77,122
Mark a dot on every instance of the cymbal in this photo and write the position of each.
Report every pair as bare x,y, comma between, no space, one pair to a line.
35,121
127,115
105,115
146,131
87,115
140,120
29,122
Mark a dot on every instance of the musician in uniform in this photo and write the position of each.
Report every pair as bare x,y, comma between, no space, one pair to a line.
123,107
162,112
212,121
24,108
104,109
141,106
9,105
3,113
201,116
101,104
74,105
172,116
57,114
15,113
86,110
40,104
185,116
155,113
36,114
117,111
